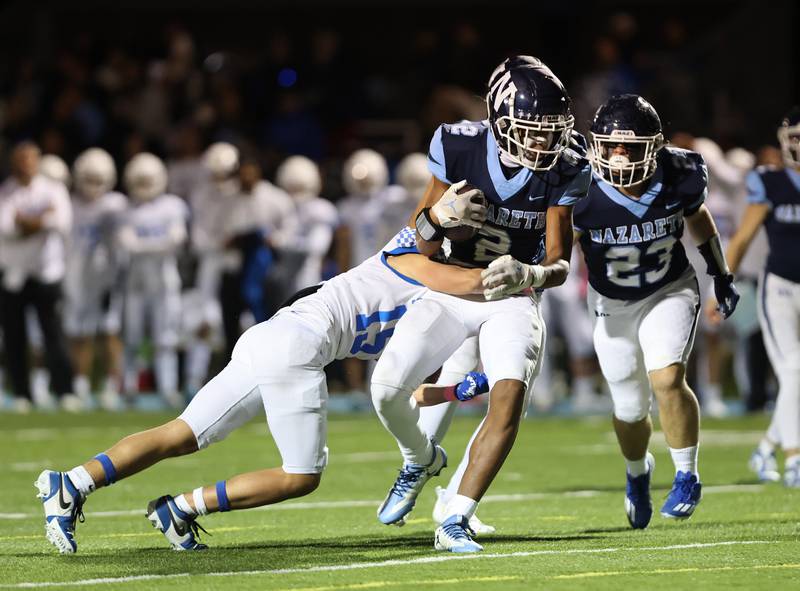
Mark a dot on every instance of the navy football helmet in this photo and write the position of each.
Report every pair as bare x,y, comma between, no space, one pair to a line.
529,112
789,137
626,137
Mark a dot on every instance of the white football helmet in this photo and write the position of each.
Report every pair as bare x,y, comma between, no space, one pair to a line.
413,174
95,173
55,169
365,171
145,177
299,176
221,159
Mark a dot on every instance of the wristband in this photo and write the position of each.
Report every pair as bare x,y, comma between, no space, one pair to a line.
714,257
427,228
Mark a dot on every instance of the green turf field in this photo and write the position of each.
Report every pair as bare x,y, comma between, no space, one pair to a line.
557,505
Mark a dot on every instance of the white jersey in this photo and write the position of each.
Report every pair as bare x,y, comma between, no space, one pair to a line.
313,239
156,229
362,306
210,203
363,215
92,256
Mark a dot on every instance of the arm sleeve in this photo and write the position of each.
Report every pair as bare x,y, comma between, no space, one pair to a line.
577,188
436,163
756,191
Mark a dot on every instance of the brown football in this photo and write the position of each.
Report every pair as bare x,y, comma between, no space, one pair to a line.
462,233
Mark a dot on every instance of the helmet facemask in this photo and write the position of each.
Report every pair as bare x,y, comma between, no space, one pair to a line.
789,138
634,163
92,185
534,143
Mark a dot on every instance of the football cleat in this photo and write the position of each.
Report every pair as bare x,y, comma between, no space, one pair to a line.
180,528
63,506
765,466
440,515
638,505
684,496
791,477
455,535
403,494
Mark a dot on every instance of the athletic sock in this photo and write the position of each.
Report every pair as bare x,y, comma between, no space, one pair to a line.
685,459
461,505
79,476
636,467
183,505
766,447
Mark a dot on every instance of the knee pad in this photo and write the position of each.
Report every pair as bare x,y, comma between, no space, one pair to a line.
631,400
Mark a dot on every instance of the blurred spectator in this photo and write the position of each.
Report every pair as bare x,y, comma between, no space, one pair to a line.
35,218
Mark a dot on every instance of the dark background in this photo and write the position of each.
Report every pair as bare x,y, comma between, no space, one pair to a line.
323,78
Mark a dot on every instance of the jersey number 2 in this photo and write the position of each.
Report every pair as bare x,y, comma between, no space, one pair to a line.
623,263
493,243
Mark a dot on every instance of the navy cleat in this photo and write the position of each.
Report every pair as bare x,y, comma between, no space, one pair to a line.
403,495
180,528
455,535
683,498
764,465
638,505
63,506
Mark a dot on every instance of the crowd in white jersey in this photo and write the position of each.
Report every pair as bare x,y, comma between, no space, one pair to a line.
117,277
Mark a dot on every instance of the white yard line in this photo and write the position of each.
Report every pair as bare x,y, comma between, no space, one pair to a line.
351,504
380,564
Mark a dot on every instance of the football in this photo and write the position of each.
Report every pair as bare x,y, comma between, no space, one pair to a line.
463,233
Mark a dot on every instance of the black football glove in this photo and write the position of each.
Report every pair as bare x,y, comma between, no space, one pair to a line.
727,295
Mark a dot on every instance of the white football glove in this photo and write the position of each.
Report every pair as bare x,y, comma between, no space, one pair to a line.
506,276
457,209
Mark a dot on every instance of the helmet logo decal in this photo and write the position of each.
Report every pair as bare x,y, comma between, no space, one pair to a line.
504,87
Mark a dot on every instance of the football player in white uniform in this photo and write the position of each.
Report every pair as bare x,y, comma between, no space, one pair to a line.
209,203
300,178
93,302
277,365
150,233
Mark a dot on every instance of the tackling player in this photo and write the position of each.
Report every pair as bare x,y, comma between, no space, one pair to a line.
774,202
643,292
531,167
277,365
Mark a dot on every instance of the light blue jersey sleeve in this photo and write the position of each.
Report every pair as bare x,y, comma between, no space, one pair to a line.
436,163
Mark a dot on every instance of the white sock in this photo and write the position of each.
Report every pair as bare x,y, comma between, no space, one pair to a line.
184,505
455,479
685,459
583,386
461,505
766,447
82,386
166,366
713,392
82,480
199,501
636,467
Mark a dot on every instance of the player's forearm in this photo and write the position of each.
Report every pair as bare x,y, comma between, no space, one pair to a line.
737,248
555,273
752,219
701,226
430,395
449,279
428,248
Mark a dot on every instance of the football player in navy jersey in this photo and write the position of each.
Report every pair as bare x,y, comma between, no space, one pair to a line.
531,168
774,202
643,291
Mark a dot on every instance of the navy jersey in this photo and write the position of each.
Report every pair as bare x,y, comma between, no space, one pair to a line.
515,223
780,189
632,247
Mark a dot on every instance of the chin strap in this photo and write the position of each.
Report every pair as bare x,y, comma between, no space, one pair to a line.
712,253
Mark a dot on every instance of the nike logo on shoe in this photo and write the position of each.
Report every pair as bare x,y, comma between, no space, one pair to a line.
64,505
